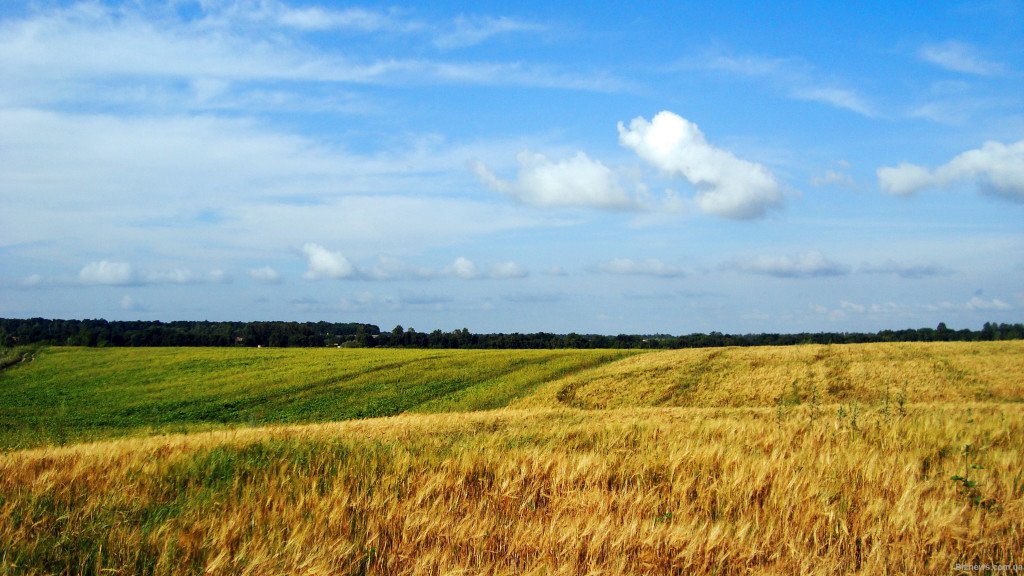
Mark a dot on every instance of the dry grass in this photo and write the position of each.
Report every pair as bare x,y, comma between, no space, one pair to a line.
862,486
761,376
637,491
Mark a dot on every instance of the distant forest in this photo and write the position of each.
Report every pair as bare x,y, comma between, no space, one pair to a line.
18,332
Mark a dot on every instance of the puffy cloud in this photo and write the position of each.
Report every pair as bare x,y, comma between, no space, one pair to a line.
108,273
979,303
175,276
809,264
726,185
995,167
958,57
904,179
577,181
463,268
391,268
129,304
507,270
266,274
466,269
834,178
322,263
649,267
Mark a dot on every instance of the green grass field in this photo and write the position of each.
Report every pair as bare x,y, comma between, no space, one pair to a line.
66,395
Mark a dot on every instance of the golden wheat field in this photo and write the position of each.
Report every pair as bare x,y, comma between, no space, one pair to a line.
856,459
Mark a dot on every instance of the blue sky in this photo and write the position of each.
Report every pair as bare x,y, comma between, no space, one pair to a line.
664,168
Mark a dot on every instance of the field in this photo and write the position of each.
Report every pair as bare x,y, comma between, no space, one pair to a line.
871,459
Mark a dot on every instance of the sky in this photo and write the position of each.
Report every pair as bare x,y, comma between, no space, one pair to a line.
657,168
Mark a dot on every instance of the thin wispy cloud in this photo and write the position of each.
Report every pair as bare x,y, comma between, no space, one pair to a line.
648,267
126,46
910,270
471,30
959,57
793,78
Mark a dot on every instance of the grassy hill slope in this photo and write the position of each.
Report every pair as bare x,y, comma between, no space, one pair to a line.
561,492
867,459
947,372
65,395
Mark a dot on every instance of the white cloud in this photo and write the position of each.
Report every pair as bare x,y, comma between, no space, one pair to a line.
577,181
995,167
463,268
958,57
107,273
649,267
910,270
466,269
834,178
33,280
806,265
793,77
904,179
146,52
979,303
509,269
727,186
175,276
468,31
391,268
322,263
130,304
555,271
265,274
838,97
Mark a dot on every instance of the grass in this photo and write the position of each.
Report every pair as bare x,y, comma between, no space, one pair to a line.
73,394
810,460
941,372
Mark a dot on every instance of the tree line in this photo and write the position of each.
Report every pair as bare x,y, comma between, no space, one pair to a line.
17,332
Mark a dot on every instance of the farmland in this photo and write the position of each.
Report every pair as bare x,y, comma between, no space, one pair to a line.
881,458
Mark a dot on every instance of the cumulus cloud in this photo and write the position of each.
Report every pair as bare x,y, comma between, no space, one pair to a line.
507,270
996,168
129,304
806,265
175,276
577,181
265,274
391,268
649,267
727,186
463,268
979,303
466,269
107,273
958,57
834,178
322,263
